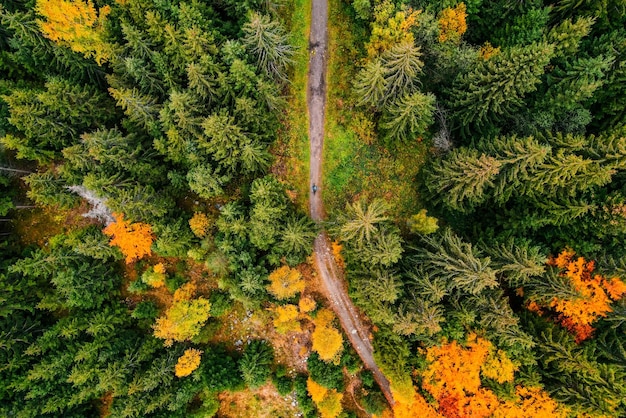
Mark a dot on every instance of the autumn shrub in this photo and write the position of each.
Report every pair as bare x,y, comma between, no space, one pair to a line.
328,401
154,277
452,23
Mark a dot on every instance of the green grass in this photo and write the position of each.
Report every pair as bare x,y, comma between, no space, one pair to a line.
292,147
354,165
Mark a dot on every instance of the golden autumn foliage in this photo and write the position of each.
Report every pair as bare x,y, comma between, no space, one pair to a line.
188,362
307,304
285,282
184,319
199,224
389,28
328,401
452,23
317,391
402,388
417,407
327,341
159,268
286,319
487,51
134,239
76,24
597,294
530,402
454,370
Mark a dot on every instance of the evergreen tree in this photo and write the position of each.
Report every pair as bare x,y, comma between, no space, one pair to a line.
408,117
463,267
268,42
496,87
463,179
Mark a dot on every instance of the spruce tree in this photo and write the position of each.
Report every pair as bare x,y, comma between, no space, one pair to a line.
408,117
496,88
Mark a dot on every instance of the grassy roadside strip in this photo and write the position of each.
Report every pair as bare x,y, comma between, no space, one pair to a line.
355,166
292,147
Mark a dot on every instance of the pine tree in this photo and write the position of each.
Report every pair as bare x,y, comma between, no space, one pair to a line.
449,257
370,85
402,66
518,263
255,363
408,117
362,220
463,179
495,88
566,36
268,42
141,109
296,239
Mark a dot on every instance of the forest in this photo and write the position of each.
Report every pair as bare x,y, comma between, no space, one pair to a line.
156,250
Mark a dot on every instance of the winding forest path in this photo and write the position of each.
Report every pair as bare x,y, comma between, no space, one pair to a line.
332,284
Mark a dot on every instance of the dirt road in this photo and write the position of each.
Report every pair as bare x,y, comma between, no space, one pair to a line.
327,268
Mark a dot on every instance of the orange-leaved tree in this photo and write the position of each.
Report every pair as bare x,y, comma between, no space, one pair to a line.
328,401
327,341
452,23
188,362
453,378
285,282
596,294
185,318
134,239
76,24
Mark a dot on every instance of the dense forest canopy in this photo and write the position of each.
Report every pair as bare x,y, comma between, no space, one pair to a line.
155,249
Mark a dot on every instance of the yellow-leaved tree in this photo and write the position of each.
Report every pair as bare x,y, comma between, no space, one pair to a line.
134,239
185,318
285,283
390,27
76,24
328,401
327,341
286,319
199,224
188,362
452,23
